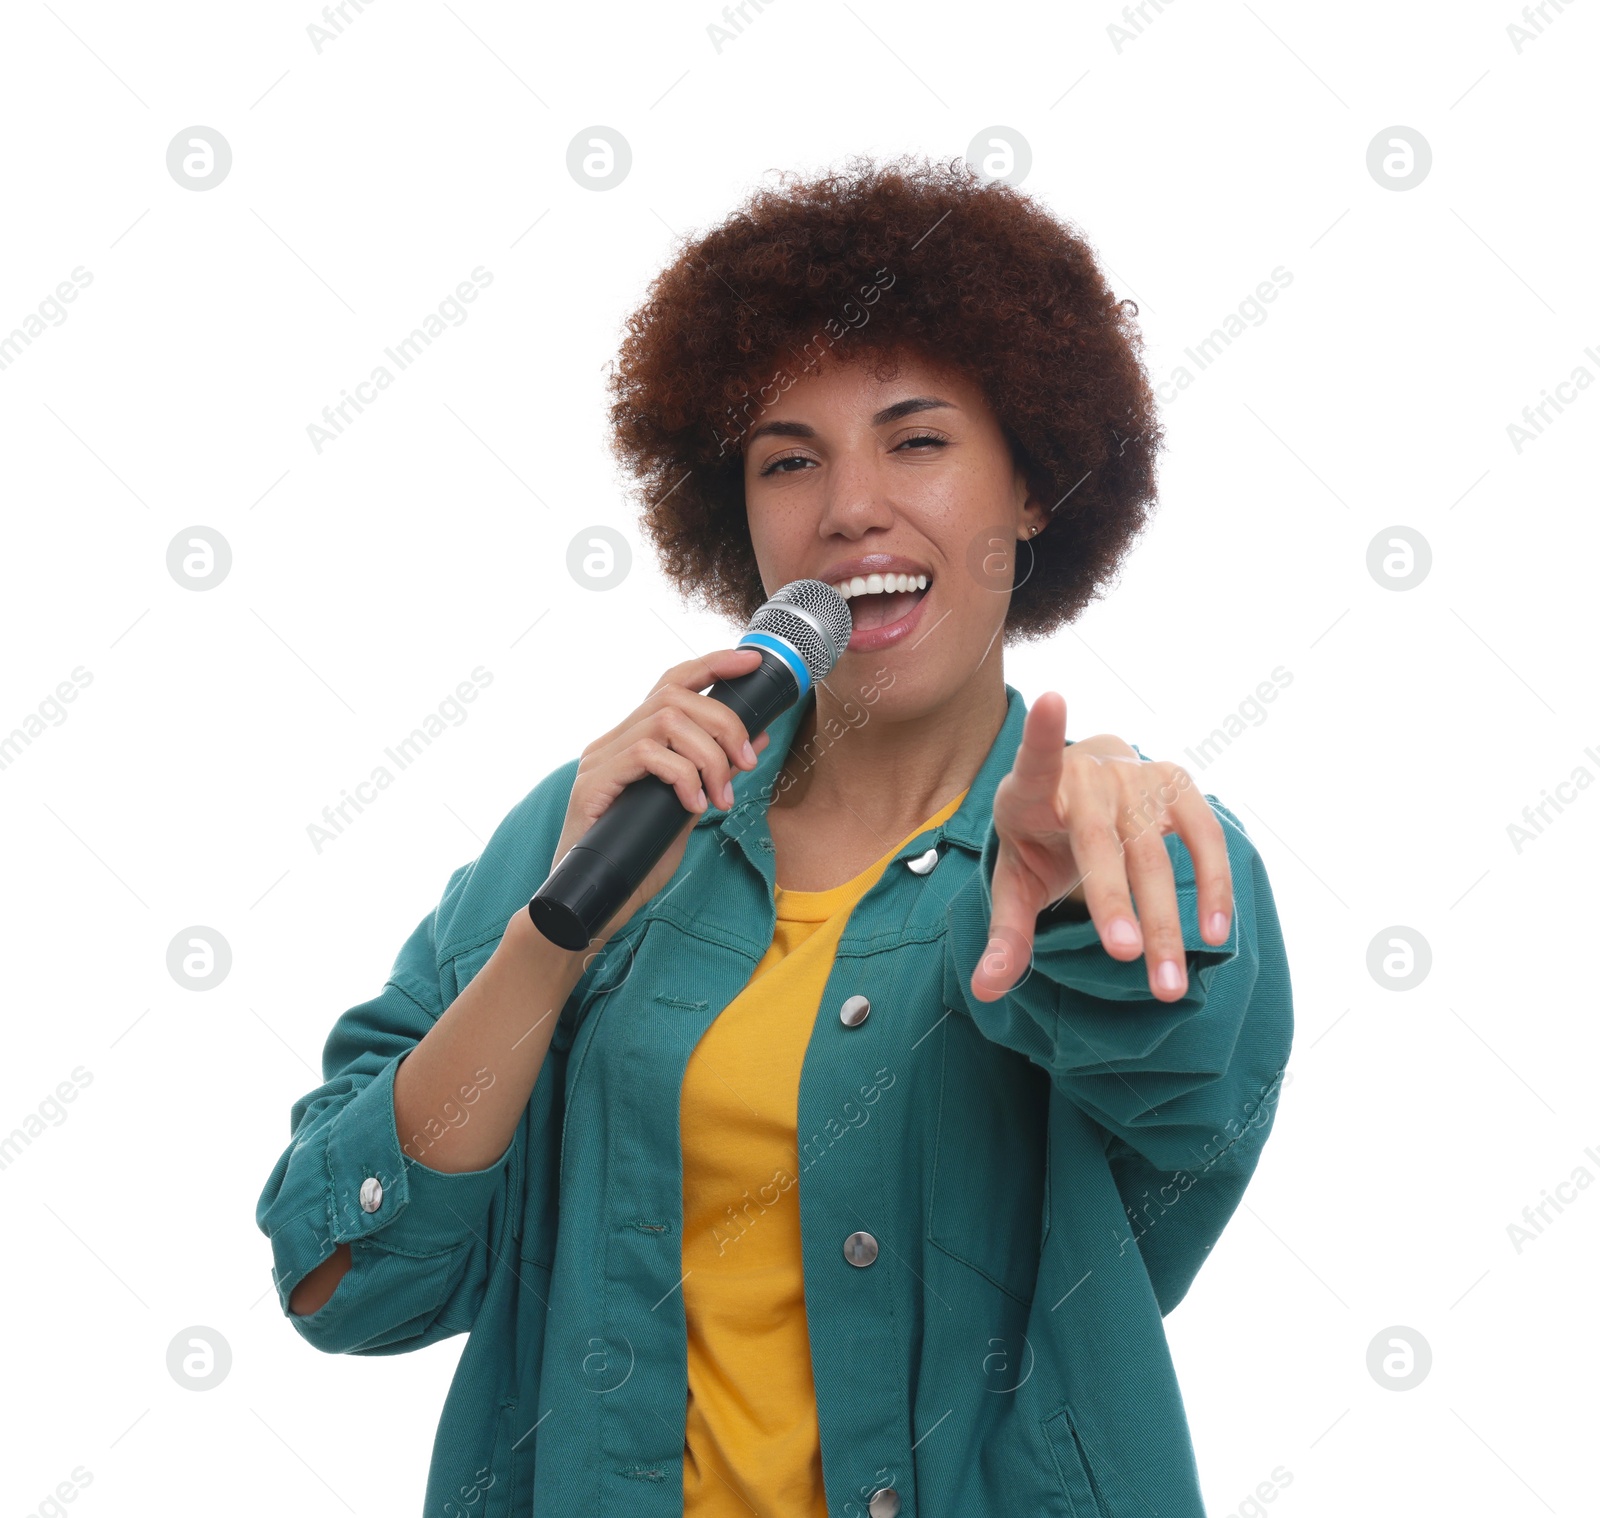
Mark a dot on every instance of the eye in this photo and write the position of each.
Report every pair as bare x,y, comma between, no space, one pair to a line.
775,467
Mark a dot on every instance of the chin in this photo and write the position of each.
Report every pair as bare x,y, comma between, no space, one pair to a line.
900,684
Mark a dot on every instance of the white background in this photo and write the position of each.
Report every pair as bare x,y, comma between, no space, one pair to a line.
368,179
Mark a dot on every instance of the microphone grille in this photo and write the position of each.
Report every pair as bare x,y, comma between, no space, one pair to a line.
812,618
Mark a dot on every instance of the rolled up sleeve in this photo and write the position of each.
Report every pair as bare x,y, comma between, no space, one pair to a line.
420,1238
1185,1089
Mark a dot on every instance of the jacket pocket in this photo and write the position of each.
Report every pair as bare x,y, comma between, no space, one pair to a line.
493,1482
522,1450
1072,1466
989,1198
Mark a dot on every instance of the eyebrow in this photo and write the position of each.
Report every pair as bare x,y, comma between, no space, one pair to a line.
882,418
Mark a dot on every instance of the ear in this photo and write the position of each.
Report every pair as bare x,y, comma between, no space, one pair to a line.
1032,517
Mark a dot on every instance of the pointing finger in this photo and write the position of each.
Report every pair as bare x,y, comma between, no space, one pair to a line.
1037,768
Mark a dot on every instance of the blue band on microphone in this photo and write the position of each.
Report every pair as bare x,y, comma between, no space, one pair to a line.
777,646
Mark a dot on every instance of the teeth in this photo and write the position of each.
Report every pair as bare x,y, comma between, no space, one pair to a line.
873,585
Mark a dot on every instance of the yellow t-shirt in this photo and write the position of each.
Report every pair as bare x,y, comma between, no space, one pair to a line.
751,1442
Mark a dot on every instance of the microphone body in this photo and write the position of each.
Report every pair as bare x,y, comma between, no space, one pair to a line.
800,637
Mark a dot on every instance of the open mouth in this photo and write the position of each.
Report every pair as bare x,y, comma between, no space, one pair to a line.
883,607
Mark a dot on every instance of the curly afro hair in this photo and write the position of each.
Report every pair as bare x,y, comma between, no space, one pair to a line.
866,262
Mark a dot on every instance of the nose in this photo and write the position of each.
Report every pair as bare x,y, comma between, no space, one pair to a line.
856,499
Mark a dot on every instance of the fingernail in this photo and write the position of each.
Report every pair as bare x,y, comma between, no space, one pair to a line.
1217,925
700,799
1169,976
748,754
1123,933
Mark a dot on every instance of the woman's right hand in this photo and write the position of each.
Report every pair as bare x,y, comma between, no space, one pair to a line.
693,743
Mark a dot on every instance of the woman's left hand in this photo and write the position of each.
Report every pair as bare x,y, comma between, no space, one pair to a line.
1086,824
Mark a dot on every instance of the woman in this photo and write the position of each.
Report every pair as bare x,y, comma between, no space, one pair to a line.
855,1168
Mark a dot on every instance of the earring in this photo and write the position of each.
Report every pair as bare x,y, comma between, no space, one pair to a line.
1033,531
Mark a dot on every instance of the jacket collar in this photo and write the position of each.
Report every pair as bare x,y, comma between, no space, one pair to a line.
970,825
754,790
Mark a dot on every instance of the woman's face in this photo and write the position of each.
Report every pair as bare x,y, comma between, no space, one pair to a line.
861,484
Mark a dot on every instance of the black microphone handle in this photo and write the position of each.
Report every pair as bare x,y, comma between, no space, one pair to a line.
609,863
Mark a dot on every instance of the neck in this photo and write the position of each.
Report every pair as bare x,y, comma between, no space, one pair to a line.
847,756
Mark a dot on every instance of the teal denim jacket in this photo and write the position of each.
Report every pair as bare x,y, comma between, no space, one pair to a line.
1043,1176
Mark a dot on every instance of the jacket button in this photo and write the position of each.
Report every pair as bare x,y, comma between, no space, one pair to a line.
371,1194
923,865
854,1012
884,1503
862,1249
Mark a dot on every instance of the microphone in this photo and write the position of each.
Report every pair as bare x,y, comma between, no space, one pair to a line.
801,633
